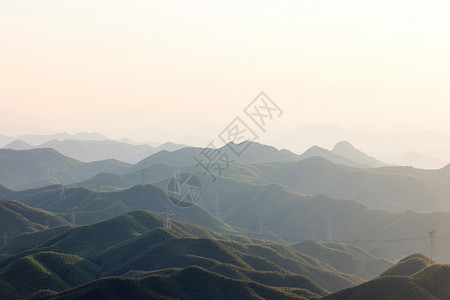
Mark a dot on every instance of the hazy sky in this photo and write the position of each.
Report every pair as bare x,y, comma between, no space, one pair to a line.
138,67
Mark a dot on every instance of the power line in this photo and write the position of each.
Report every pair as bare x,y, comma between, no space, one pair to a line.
390,240
398,240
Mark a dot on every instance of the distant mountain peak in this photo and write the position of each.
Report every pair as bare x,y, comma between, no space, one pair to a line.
315,149
347,150
343,145
18,145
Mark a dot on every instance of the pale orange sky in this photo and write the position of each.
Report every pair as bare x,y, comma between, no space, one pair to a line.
131,67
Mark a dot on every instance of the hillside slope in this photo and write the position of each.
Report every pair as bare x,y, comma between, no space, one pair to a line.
189,283
21,169
427,283
345,149
294,216
17,218
137,241
91,207
389,188
345,258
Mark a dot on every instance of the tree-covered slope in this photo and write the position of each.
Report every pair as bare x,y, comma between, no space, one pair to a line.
417,282
137,241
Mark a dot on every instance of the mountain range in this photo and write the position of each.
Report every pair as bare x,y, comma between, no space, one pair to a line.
387,147
403,282
134,244
272,224
243,206
133,256
35,139
39,167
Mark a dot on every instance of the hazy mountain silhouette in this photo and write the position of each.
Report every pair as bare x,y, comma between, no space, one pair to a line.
21,169
316,151
169,146
35,139
89,151
18,145
384,146
255,152
347,150
417,160
390,188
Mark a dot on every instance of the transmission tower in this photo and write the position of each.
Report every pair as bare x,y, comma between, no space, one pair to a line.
329,237
73,222
5,237
62,193
431,236
167,215
47,224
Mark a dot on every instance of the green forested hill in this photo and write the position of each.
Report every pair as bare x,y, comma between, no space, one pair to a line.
17,218
427,283
274,210
189,283
136,241
345,258
92,206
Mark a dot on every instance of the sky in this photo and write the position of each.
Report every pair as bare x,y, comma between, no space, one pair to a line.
163,70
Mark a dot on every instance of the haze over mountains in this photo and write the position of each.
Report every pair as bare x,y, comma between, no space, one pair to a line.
397,149
273,222
433,145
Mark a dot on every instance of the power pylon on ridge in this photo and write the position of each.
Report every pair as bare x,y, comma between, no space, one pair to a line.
72,218
5,237
167,216
431,236
62,193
